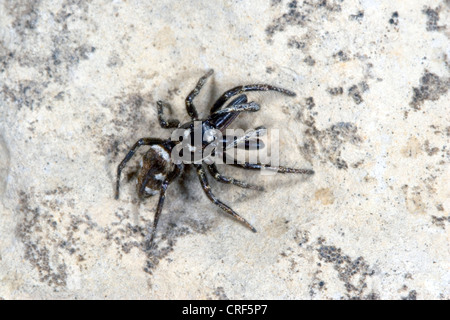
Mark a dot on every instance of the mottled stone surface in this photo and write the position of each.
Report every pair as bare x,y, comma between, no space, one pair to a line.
79,81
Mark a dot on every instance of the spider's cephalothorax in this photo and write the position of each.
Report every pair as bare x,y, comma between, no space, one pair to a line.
158,169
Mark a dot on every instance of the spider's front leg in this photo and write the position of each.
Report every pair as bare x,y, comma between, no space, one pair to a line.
241,89
192,112
166,124
248,107
140,142
207,189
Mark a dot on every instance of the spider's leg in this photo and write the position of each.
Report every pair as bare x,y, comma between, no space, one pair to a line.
170,123
250,140
192,112
140,142
162,196
244,107
259,166
251,87
205,185
221,120
224,179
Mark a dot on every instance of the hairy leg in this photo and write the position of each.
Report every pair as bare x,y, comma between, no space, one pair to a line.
224,179
162,196
258,166
244,107
170,123
241,89
191,110
207,189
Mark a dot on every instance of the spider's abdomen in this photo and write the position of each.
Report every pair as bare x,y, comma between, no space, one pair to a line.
155,167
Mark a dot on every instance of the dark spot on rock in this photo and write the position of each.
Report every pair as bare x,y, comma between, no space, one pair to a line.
432,19
335,91
431,88
354,92
36,252
25,93
5,61
440,221
59,96
301,237
83,51
295,43
341,164
270,70
341,56
363,86
310,103
412,295
299,14
352,272
357,17
309,61
394,18
429,150
220,294
26,15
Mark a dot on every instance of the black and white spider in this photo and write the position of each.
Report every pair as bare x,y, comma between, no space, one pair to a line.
158,169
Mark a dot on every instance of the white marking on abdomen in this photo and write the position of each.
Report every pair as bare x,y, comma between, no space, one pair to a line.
150,191
162,152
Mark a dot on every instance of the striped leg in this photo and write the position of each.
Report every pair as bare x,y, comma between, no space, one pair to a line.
258,166
224,179
162,197
170,123
248,107
192,112
205,185
241,89
250,140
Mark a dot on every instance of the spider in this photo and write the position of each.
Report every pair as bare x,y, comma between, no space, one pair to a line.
158,170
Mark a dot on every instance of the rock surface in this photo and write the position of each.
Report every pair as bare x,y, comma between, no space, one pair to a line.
79,81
